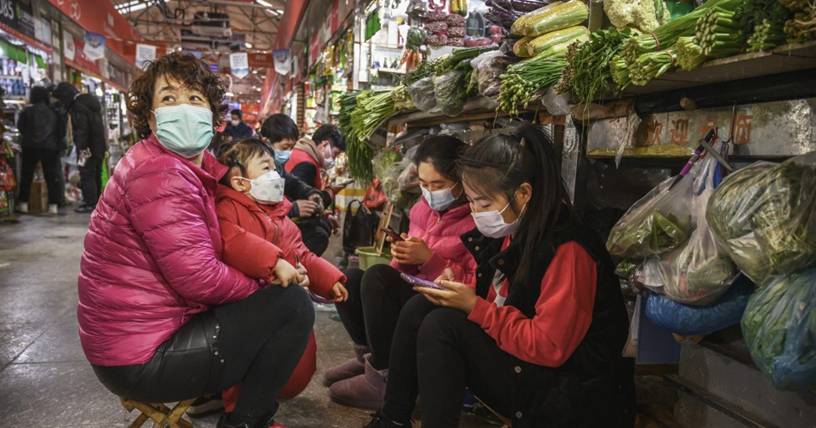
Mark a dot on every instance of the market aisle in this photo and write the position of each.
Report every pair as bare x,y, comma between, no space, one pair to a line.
44,377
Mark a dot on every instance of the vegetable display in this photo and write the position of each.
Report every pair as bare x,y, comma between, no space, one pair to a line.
552,17
719,34
588,71
651,65
779,327
451,91
689,53
802,26
546,41
525,81
505,12
763,21
765,216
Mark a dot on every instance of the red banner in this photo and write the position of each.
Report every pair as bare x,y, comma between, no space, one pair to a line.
260,60
100,16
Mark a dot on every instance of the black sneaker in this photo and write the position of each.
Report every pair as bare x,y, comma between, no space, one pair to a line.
378,420
84,209
204,406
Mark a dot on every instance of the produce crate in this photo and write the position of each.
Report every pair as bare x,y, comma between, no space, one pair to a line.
369,256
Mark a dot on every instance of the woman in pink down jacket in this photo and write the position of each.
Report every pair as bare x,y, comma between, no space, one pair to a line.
161,317
375,298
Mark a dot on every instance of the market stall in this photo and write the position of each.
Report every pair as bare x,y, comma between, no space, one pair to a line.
686,137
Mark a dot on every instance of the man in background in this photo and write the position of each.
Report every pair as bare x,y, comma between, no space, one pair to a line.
88,130
236,128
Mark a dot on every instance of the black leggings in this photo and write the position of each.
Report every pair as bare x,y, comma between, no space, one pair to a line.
52,168
370,315
255,342
438,352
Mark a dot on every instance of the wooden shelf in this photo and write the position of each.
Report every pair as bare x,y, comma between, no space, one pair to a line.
786,58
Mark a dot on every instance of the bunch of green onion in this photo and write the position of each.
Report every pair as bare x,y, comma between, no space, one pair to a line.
689,53
619,70
718,33
651,65
766,36
588,64
525,81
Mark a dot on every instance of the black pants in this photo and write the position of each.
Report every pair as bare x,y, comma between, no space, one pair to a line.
370,315
90,180
437,352
316,232
255,342
52,168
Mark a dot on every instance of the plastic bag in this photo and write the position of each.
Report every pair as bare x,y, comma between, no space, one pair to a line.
487,69
765,216
422,94
387,165
656,223
700,271
779,327
699,320
451,92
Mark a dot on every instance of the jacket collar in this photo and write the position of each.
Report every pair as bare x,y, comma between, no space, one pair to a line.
210,172
310,148
280,209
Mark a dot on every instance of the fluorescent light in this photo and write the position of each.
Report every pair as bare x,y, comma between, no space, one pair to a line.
133,6
248,45
265,3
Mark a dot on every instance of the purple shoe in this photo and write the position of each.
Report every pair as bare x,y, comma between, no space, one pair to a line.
351,368
365,391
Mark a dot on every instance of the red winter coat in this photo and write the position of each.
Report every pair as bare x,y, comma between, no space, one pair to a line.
441,232
152,256
299,156
255,236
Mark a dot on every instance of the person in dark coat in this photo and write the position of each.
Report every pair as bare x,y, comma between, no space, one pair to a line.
85,115
41,143
236,128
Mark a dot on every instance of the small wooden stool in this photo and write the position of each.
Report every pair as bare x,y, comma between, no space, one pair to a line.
162,416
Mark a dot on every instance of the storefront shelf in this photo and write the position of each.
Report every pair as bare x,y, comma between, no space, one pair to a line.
786,58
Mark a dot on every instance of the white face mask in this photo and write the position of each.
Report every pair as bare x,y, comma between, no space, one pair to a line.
439,200
492,225
235,122
268,188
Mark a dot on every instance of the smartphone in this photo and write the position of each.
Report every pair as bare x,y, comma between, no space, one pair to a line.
393,235
419,282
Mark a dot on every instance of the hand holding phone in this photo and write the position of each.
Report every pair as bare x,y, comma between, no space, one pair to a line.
419,282
395,237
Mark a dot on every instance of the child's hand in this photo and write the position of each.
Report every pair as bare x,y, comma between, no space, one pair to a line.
285,274
339,293
303,274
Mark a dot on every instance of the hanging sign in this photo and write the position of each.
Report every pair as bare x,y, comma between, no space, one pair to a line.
94,46
17,15
260,60
144,54
283,61
42,30
239,64
70,47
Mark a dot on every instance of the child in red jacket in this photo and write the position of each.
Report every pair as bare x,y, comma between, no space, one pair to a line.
256,231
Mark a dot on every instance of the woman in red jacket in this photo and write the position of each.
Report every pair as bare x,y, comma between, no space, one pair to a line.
538,337
162,318
376,297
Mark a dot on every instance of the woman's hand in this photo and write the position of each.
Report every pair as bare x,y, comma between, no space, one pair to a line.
284,274
411,251
339,293
455,295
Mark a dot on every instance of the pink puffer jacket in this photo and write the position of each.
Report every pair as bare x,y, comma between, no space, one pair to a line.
152,256
441,232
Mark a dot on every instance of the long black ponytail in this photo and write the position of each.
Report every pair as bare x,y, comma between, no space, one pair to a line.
501,163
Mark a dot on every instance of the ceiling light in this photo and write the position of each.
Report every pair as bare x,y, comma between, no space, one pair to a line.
133,6
248,45
264,3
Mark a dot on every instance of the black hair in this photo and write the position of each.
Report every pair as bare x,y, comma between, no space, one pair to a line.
40,94
279,127
237,112
441,151
331,133
238,153
501,163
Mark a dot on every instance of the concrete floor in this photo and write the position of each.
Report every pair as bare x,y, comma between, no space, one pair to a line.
44,377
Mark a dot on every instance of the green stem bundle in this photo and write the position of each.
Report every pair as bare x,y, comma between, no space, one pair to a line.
619,70
525,81
652,65
689,54
719,33
588,72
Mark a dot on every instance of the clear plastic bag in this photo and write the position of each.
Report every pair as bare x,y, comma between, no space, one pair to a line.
656,223
422,94
700,271
779,327
451,92
699,320
765,216
487,69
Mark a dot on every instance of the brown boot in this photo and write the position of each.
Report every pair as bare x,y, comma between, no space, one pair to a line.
365,391
351,368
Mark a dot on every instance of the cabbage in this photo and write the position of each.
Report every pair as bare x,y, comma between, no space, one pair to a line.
779,326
